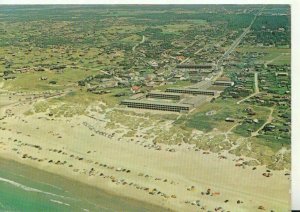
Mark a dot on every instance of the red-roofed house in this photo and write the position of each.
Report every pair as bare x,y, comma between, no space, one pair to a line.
135,89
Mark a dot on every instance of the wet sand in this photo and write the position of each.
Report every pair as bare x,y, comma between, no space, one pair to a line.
57,193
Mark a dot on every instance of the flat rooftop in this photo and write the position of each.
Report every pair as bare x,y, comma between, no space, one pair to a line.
155,103
165,93
192,89
194,66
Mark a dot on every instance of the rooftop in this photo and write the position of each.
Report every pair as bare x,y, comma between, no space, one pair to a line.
192,89
165,93
155,103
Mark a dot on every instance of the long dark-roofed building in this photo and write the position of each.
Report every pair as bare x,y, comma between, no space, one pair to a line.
156,105
192,91
198,66
164,95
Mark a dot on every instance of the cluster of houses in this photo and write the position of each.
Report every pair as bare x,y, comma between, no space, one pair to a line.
148,80
274,84
276,79
9,75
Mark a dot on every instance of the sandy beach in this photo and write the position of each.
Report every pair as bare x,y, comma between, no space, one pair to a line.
37,190
183,179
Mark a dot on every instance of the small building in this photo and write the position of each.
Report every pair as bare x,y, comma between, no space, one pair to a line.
228,119
135,89
193,72
9,77
120,94
180,58
281,74
153,64
269,127
100,91
178,76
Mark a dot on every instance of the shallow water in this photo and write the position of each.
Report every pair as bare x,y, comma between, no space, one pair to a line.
23,188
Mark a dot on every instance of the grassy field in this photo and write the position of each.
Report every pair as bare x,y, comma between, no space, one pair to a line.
213,115
76,102
175,28
32,81
279,55
282,59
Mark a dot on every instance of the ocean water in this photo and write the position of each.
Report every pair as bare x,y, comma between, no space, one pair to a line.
24,188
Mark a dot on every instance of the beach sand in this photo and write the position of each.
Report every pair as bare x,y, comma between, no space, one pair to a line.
37,190
80,149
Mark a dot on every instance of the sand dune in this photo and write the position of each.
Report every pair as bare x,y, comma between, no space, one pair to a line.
180,180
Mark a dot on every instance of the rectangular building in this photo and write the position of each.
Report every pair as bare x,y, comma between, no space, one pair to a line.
223,83
195,66
281,74
164,95
155,105
192,91
193,72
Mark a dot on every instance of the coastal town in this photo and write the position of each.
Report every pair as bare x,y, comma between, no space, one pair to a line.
174,106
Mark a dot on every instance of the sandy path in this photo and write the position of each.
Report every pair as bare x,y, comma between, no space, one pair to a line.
268,121
141,42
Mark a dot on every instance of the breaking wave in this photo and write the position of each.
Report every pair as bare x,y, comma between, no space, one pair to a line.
26,188
59,202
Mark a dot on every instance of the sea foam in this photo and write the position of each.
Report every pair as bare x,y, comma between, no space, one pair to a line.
59,202
26,188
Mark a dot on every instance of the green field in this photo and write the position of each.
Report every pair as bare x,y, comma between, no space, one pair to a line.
278,56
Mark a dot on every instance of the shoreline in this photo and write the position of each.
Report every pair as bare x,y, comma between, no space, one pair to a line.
63,183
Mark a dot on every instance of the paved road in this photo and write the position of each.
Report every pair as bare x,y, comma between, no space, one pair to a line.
234,45
256,89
